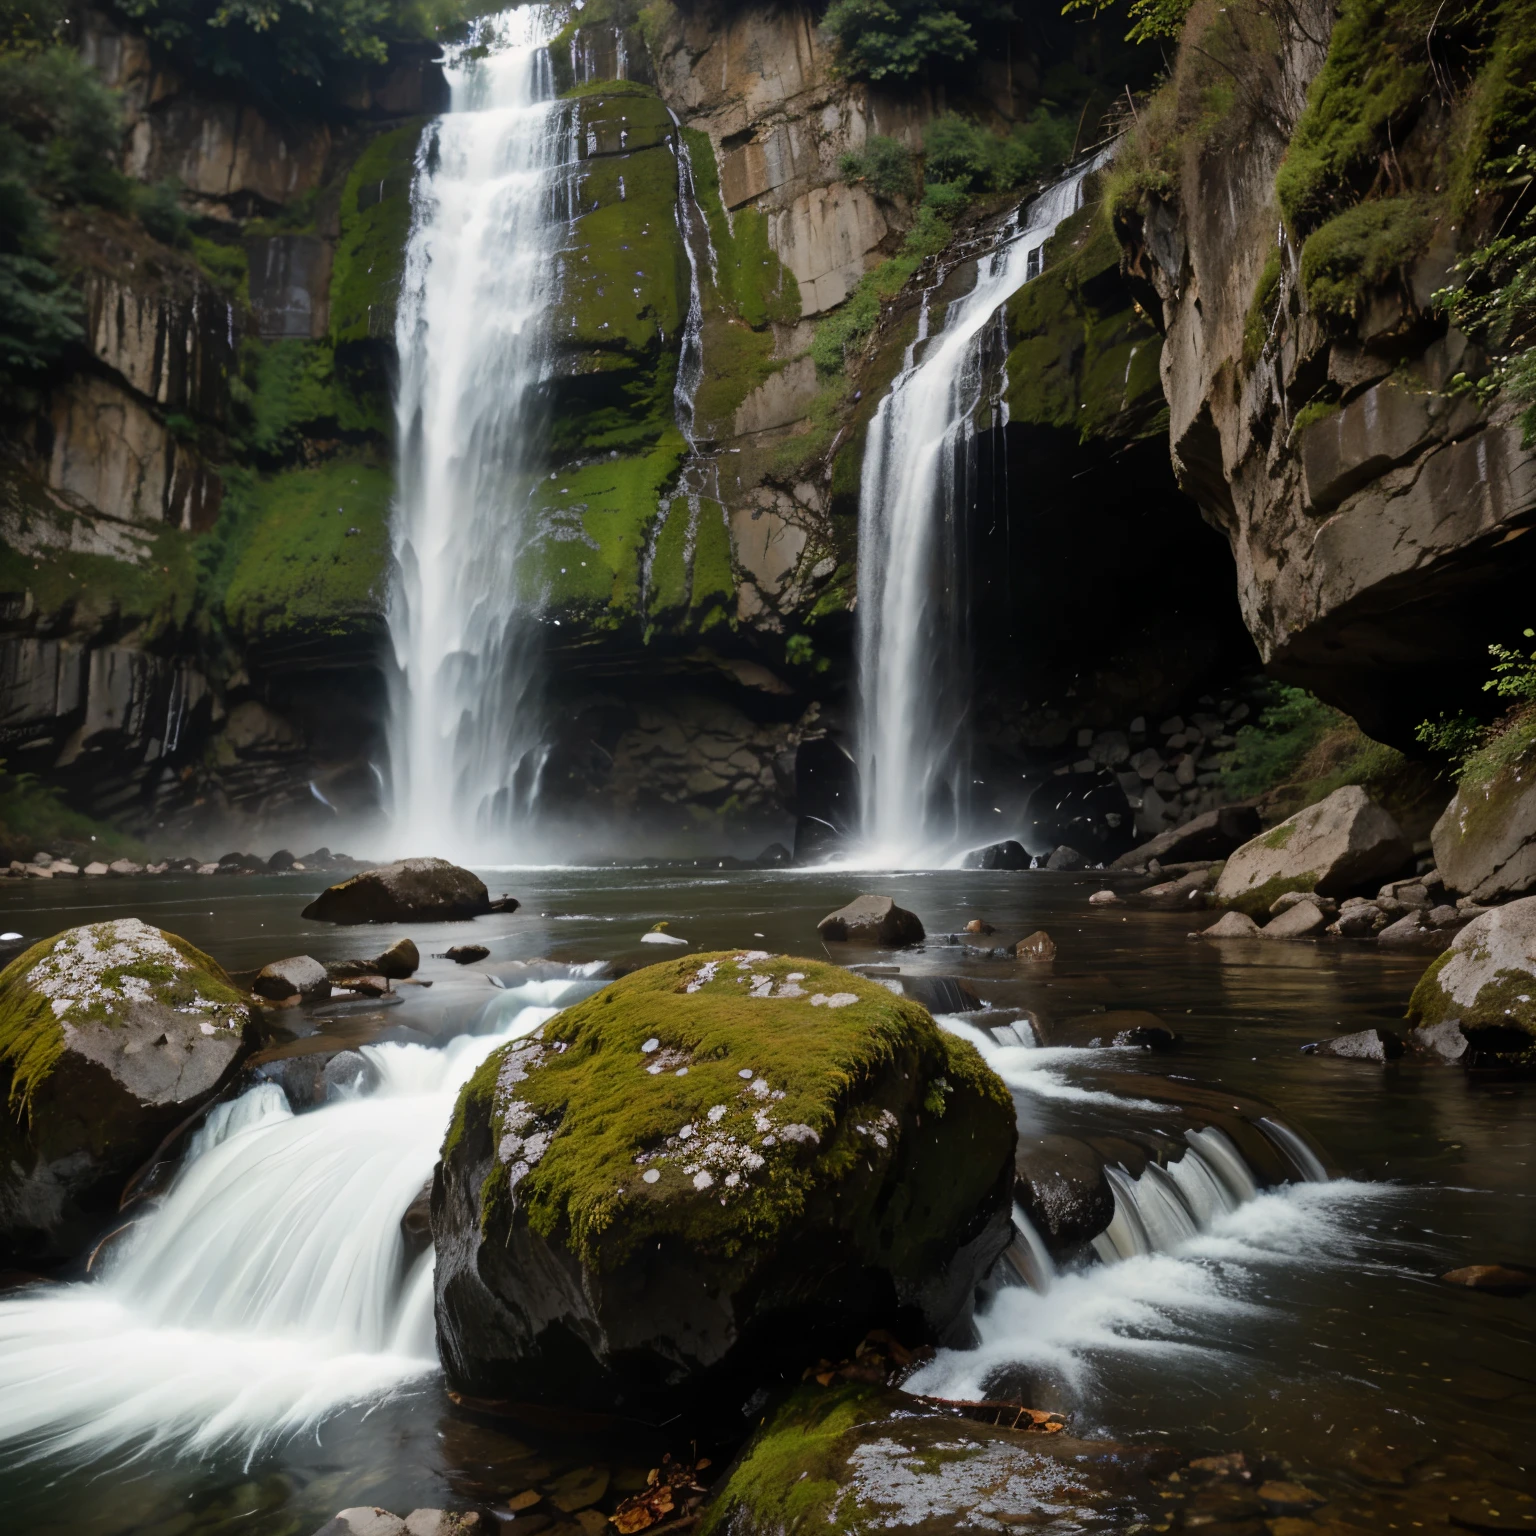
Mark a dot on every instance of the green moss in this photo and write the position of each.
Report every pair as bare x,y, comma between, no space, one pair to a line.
825,1071
1429,1004
153,593
32,1033
1259,325
375,226
1279,837
692,581
226,264
1312,413
285,562
791,1474
1507,1001
1260,898
1360,249
1082,356
737,360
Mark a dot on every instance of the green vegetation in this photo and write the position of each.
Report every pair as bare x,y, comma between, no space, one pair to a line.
375,226
823,1072
297,52
1360,249
1263,312
1150,19
1478,752
33,815
963,154
301,552
895,41
885,165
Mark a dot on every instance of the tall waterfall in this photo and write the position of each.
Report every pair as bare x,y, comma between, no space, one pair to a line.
913,666
466,738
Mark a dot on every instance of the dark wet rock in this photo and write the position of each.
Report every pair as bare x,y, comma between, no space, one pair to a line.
817,840
401,960
1212,835
1378,1045
863,1460
1324,904
1085,811
612,1230
1501,1279
413,890
1359,919
505,904
979,925
1039,948
1005,855
344,1073
465,954
1287,1498
1304,920
872,920
1104,1028
416,1224
1060,1183
1065,858
110,1036
281,860
299,976
1334,847
1186,891
1232,925
774,856
365,984
1411,928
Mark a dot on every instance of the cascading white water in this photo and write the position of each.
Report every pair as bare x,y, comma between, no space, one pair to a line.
466,734
912,645
270,1288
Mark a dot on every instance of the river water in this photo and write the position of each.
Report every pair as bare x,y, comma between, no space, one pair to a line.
1306,1326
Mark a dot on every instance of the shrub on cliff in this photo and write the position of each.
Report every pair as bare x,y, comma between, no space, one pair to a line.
894,41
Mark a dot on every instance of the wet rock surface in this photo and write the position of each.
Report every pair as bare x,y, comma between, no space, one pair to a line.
110,1036
412,890
665,1186
872,920
1485,982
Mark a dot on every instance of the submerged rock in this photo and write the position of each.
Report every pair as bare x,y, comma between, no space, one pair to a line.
857,1459
872,920
1233,925
412,890
1342,842
717,1165
1378,1045
465,954
110,1035
1485,980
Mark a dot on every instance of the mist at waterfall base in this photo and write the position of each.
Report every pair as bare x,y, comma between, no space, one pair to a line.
917,485
1296,1309
467,727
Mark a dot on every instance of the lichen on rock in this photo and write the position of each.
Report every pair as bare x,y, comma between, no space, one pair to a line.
1486,980
710,1154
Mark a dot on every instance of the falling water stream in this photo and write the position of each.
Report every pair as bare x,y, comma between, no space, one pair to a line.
467,737
913,652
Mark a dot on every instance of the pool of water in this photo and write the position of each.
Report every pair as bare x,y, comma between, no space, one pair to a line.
1308,1328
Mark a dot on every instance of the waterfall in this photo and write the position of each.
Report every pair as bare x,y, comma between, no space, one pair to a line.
272,1285
466,731
913,666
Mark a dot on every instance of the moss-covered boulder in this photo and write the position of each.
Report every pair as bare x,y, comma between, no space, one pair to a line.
110,1035
707,1174
409,890
1485,842
1344,843
1486,980
853,1458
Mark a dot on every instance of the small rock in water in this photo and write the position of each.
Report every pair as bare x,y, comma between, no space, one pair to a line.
95,867
1039,948
1065,858
1008,854
465,954
1406,930
1103,899
1302,921
1232,925
1443,1040
400,960
281,860
977,925
1378,1045
659,935
872,920
505,904
298,976
1501,1279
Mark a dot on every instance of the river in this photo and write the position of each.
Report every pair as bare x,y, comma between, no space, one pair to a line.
1307,1327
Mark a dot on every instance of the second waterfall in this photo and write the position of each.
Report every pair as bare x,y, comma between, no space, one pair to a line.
466,742
913,653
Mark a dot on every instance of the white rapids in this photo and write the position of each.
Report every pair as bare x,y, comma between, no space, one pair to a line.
270,1288
912,658
466,728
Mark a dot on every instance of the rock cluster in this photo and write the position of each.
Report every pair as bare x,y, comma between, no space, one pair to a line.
51,866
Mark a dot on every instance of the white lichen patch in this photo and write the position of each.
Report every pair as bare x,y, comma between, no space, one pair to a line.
524,1137
95,969
881,1128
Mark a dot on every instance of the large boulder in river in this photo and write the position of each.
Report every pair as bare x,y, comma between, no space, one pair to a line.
711,1171
1344,842
1485,842
1211,836
1485,981
412,890
872,920
110,1036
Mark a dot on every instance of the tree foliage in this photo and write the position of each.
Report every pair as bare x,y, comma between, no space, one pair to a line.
1150,19
896,40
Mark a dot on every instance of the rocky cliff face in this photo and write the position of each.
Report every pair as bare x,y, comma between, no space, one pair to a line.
1291,231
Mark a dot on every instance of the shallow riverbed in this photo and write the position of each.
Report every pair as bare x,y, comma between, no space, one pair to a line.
1308,1327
